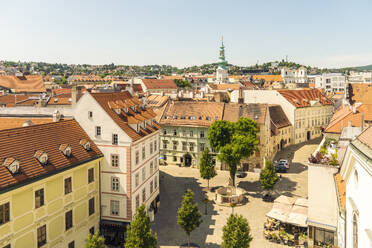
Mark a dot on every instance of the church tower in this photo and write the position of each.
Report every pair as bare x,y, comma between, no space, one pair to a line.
221,73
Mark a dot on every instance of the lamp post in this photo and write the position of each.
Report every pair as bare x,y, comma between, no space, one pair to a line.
206,204
232,205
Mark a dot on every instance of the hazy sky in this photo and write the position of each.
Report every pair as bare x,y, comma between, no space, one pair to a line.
322,33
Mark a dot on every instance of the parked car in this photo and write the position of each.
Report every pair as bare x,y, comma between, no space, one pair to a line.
281,168
241,174
285,162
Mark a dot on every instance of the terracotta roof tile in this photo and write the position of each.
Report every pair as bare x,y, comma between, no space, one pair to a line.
224,86
14,122
268,78
278,117
254,111
302,98
361,93
123,120
29,83
46,137
366,137
159,83
11,100
341,190
61,99
156,101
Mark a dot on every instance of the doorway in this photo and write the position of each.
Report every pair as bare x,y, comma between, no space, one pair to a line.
308,135
188,160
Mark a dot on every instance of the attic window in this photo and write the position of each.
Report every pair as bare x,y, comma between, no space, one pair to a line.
192,117
208,118
65,149
166,117
85,144
200,117
12,165
41,156
175,117
183,117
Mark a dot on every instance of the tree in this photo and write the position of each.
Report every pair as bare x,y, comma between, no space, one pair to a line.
236,233
234,141
207,170
139,233
189,216
268,176
95,241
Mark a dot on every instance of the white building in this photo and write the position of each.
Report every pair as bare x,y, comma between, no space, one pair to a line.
356,172
331,82
221,73
360,77
298,76
308,110
126,133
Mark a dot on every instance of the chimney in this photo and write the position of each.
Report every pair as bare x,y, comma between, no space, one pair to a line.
56,116
362,125
240,99
130,88
73,95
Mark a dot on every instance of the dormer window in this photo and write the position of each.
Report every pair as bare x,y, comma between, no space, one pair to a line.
208,118
85,144
65,149
42,157
12,165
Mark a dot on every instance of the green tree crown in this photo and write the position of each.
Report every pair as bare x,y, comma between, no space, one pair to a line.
95,241
189,216
268,176
236,233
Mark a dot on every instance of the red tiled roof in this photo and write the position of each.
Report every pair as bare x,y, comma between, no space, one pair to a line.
61,99
366,137
159,83
224,86
278,117
29,83
302,98
268,78
11,100
14,122
361,93
248,85
25,141
254,111
123,119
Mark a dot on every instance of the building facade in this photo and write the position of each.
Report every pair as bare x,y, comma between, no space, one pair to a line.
128,136
331,82
49,192
297,76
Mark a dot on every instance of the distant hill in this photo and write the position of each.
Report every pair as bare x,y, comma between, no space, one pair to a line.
360,68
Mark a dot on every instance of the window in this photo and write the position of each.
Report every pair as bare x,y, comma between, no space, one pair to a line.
91,206
184,146
7,246
151,168
114,207
156,163
91,230
175,145
143,152
137,157
115,139
115,183
90,175
137,180
191,147
143,174
175,132
322,236
202,147
151,148
68,185
174,158
165,131
71,244
114,160
144,195
201,134
137,201
191,133
90,114
151,187
355,231
165,144
68,219
155,145
156,182
98,131
39,198
4,213
41,236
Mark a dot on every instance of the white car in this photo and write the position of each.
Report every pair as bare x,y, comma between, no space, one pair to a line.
285,162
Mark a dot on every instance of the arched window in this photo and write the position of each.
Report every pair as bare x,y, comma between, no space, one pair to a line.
356,178
355,231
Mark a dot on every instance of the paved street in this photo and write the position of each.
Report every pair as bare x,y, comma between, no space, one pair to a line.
175,181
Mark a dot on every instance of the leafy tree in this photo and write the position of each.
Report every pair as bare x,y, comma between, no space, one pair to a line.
207,170
139,233
234,141
95,241
189,216
268,176
181,83
236,233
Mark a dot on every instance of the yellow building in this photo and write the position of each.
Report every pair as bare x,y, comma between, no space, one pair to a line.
49,186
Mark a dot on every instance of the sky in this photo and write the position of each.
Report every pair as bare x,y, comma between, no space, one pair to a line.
322,33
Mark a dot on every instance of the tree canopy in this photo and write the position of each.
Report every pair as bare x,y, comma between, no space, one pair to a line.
139,233
268,176
207,170
181,83
95,241
189,216
236,233
234,141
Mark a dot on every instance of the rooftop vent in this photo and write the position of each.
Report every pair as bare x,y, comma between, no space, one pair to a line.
65,149
41,156
27,123
12,165
55,99
86,144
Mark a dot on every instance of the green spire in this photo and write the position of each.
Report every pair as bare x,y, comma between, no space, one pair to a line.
222,62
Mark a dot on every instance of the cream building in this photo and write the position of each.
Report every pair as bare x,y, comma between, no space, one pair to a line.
298,76
49,188
128,136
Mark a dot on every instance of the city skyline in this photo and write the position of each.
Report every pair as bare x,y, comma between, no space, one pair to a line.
187,33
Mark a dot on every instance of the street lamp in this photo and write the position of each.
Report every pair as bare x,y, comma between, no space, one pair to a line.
232,205
206,202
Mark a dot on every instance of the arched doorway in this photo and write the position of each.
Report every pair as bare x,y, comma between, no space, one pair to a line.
281,144
308,135
187,159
